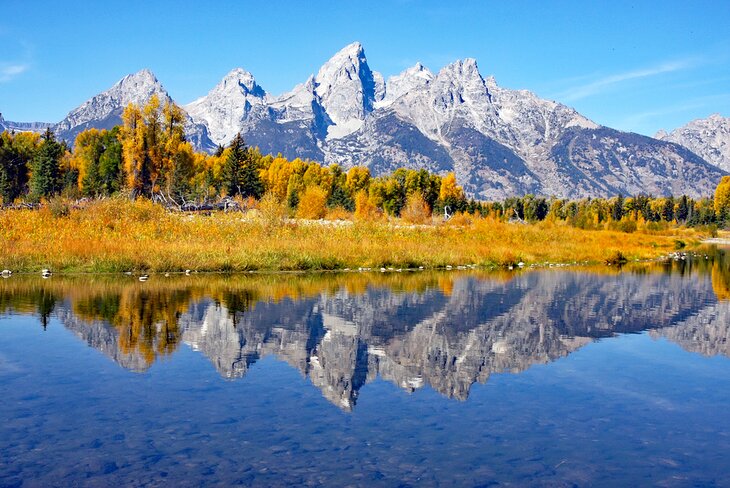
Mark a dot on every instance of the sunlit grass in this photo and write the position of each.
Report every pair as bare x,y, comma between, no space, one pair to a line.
117,235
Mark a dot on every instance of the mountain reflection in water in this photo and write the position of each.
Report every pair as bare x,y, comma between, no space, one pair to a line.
445,330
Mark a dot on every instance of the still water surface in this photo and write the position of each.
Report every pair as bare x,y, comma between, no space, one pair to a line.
540,378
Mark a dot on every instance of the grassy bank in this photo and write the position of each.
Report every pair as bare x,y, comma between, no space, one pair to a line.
117,235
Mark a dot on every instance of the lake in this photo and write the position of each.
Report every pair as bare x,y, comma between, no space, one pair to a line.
550,377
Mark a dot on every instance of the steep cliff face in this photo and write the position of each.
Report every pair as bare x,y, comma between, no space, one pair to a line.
229,106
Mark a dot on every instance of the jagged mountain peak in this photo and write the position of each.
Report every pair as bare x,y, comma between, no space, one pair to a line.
499,141
460,84
418,70
708,138
716,117
407,81
237,83
143,74
348,89
352,51
227,107
238,79
104,110
343,66
461,80
463,68
135,88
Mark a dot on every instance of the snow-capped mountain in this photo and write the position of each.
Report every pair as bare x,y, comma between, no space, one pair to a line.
499,142
228,107
709,138
347,90
104,110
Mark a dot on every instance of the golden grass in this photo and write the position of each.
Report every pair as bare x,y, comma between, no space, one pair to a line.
118,235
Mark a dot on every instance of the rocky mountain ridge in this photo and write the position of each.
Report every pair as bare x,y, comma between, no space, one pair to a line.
10,126
499,142
708,138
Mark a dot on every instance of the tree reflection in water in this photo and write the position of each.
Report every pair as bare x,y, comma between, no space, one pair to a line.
445,330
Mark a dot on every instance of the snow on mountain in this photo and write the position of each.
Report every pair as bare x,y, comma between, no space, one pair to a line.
709,138
498,141
414,78
298,104
104,110
347,90
10,126
502,142
227,107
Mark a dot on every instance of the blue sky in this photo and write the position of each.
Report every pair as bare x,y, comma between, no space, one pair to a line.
636,66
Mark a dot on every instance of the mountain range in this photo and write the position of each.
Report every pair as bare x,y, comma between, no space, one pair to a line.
499,142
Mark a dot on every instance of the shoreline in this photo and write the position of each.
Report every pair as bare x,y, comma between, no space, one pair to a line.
303,272
718,241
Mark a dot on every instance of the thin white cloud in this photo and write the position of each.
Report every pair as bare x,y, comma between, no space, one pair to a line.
9,71
598,86
710,101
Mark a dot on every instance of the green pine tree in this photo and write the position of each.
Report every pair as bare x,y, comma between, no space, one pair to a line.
241,171
231,173
45,180
617,210
12,170
251,184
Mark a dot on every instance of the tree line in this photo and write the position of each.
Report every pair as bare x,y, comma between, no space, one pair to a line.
149,156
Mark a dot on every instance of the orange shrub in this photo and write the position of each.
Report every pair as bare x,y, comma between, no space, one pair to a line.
365,209
416,210
312,203
338,213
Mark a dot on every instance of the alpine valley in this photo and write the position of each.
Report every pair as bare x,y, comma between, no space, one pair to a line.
499,142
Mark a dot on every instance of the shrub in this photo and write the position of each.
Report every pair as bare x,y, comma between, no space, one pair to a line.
338,213
144,210
627,226
273,211
617,258
461,219
365,209
59,207
312,203
416,210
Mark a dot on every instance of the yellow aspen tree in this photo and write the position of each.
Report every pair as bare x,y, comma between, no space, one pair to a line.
154,142
312,203
722,197
132,136
358,178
